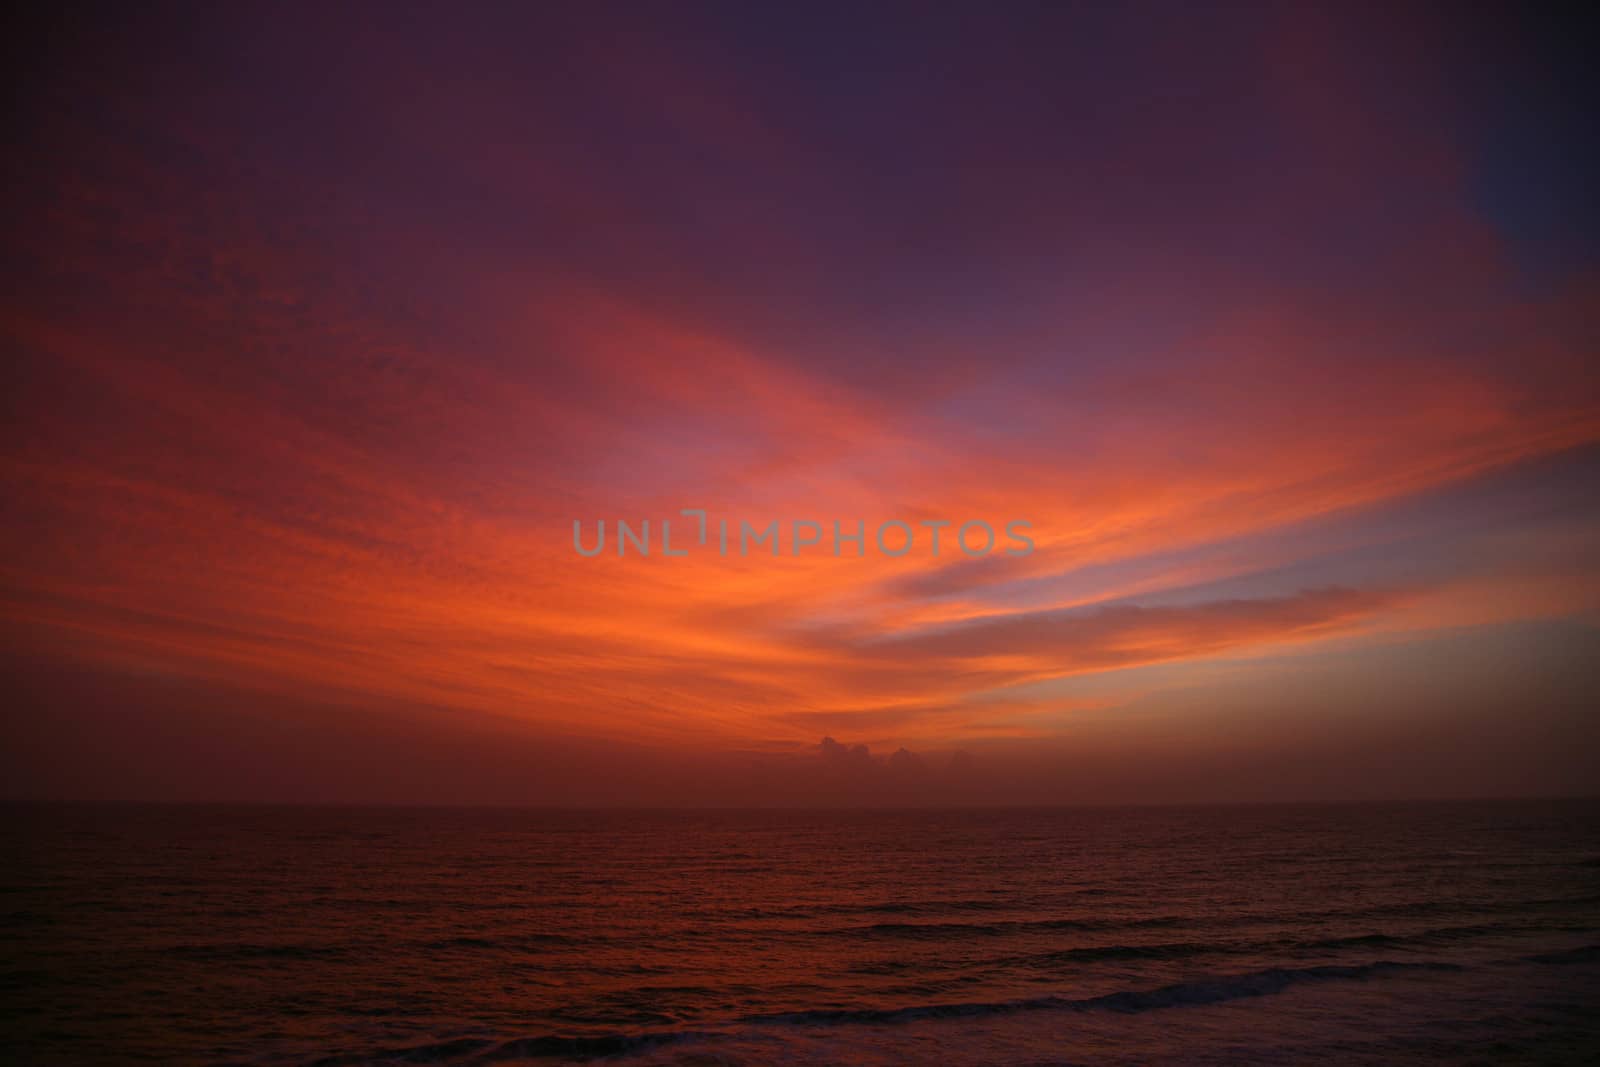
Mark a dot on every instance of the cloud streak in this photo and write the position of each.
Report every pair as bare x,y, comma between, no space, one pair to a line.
311,380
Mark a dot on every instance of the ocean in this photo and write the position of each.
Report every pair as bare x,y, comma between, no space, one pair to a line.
1423,933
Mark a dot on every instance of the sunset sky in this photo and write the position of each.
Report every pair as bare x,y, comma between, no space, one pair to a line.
325,323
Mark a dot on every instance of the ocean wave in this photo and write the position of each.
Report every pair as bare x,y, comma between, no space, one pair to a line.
231,952
1184,994
471,1050
1419,939
1585,954
1177,950
883,907
914,929
941,930
1212,991
1171,950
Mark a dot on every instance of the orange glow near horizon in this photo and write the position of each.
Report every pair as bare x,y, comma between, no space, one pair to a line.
315,419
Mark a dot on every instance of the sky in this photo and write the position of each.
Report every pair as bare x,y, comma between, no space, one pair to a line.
1276,325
